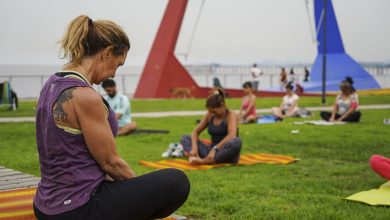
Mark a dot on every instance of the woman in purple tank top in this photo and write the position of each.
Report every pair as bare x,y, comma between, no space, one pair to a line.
83,177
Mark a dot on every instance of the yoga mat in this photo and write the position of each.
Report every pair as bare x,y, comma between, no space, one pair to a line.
320,122
266,119
379,196
245,160
17,205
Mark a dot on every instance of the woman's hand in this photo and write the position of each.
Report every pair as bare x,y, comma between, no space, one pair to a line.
108,178
211,155
193,152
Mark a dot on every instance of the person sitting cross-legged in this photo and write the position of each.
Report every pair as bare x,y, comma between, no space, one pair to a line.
222,125
121,106
346,104
289,105
248,108
82,175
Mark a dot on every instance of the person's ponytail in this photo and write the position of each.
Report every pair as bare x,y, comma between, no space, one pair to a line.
85,37
216,99
76,39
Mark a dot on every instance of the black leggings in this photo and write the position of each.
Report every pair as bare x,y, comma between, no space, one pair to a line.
154,195
354,117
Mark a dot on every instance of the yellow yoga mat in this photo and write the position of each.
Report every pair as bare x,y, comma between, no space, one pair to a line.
17,205
247,159
379,196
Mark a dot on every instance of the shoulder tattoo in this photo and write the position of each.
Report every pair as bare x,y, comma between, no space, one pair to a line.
58,111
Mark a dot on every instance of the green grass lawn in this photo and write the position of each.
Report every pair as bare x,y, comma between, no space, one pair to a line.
27,108
333,165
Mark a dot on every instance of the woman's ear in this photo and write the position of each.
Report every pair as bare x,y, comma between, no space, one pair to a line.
107,52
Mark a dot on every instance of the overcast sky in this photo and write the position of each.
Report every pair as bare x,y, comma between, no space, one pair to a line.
230,31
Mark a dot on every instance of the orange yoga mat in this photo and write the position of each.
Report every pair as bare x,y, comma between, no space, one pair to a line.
247,159
17,205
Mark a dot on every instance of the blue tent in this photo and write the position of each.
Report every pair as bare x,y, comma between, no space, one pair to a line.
339,63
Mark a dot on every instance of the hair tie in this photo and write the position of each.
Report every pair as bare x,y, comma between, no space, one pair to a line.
90,22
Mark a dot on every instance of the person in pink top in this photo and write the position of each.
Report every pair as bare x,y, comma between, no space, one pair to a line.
248,107
381,165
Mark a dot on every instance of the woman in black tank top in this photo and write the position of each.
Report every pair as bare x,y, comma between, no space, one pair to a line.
222,125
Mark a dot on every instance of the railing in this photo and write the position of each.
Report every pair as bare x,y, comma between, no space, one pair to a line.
28,86
235,76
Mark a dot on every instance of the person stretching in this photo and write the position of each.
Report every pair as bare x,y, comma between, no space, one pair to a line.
222,126
381,165
82,175
289,105
121,106
248,107
346,105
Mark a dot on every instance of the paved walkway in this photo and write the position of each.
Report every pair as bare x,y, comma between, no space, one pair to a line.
12,179
191,113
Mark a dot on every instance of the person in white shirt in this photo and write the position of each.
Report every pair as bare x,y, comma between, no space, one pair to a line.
289,105
255,72
292,77
120,104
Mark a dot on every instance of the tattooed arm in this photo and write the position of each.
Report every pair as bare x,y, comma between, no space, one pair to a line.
83,108
63,111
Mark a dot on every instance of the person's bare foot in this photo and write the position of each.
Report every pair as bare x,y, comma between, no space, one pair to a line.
195,160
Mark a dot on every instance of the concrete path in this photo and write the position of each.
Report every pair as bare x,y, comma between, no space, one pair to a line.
12,179
191,113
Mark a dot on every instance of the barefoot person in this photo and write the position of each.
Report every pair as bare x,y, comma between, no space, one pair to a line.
248,107
346,105
222,126
289,105
83,177
121,106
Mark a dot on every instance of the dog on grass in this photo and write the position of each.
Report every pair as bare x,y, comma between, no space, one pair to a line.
182,92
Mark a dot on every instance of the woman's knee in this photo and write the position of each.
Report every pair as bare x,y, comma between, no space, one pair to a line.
358,115
230,152
185,139
325,115
236,143
176,181
186,142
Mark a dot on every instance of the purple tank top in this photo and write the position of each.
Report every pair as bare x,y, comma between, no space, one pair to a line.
68,170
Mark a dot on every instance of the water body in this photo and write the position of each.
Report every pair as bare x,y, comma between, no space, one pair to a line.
27,80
